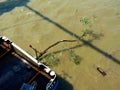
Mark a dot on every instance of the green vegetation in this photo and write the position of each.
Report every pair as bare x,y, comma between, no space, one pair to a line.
87,29
51,59
87,26
84,20
74,57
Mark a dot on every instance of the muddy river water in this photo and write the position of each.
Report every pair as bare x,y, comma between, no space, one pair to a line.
43,22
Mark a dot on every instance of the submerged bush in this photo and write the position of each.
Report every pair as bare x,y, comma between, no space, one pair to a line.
87,29
84,20
51,60
74,57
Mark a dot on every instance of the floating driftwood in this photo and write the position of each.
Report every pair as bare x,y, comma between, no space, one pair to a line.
101,71
45,51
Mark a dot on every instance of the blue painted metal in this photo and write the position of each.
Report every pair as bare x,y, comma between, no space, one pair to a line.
56,85
26,86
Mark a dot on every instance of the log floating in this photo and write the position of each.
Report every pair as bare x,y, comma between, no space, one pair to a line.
101,71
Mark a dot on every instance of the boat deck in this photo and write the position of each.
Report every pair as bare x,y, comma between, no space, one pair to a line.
14,72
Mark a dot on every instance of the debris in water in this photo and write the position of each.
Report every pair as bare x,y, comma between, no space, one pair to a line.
101,71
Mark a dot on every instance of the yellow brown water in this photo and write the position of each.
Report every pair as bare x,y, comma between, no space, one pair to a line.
43,22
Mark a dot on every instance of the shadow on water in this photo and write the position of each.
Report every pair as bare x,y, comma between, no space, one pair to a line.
109,56
8,5
63,84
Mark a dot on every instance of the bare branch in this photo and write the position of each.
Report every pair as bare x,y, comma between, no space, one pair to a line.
54,44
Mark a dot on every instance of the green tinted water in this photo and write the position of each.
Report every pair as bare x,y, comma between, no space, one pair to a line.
44,22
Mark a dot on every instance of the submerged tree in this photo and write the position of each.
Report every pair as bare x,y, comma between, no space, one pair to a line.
87,29
52,60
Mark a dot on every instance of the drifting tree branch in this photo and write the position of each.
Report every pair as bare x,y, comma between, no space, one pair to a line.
49,47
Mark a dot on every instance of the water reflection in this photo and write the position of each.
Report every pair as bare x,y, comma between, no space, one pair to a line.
8,5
